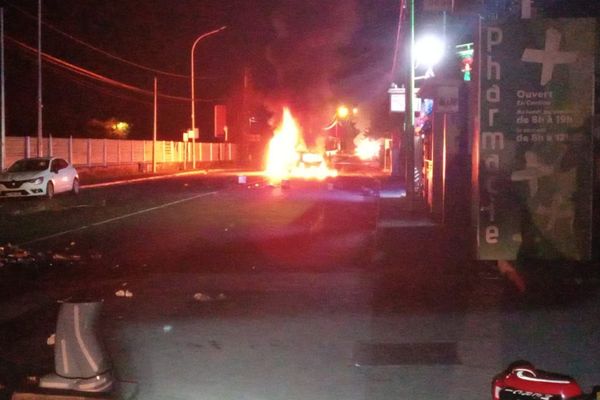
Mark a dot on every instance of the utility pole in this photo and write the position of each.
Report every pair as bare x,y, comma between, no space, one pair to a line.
2,105
409,124
155,129
39,99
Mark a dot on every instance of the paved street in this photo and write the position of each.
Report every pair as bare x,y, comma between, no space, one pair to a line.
260,292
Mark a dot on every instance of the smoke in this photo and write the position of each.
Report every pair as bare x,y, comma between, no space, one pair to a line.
306,57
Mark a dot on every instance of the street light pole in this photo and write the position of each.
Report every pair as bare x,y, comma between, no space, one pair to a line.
2,106
39,95
409,124
204,35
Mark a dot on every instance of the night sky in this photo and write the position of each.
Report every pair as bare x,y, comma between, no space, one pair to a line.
308,54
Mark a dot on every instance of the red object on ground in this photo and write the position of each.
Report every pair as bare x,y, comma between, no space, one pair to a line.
521,381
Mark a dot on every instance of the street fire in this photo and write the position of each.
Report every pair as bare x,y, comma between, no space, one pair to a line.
367,148
288,157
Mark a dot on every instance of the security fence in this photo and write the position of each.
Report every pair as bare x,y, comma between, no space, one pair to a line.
106,152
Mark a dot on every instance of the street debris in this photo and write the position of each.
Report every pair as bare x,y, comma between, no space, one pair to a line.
14,255
51,341
201,297
17,259
205,298
167,328
123,293
66,257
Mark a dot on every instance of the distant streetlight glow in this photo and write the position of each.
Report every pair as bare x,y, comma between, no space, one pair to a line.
343,112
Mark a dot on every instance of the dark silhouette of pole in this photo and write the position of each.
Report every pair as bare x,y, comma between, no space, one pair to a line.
39,97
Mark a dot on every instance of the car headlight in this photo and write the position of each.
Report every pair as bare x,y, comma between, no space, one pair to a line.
36,181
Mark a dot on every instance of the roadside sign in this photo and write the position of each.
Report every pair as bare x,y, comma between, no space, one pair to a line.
534,144
220,126
447,99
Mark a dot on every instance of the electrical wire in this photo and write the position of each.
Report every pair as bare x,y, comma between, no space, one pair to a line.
92,47
87,84
93,75
397,46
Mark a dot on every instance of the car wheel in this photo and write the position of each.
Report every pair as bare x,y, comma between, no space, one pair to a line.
50,190
75,189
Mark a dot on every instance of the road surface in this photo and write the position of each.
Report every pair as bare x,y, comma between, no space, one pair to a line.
261,292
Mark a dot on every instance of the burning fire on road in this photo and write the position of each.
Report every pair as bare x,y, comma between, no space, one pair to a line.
288,156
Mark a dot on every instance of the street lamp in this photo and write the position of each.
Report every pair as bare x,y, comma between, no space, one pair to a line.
194,130
428,51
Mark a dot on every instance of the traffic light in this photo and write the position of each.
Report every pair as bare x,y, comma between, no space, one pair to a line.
465,54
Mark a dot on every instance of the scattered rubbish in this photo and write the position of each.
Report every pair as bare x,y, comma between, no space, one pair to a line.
115,266
51,341
123,293
202,297
72,244
167,328
63,257
242,179
94,255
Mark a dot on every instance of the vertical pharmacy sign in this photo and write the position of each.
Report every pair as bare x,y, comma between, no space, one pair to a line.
535,139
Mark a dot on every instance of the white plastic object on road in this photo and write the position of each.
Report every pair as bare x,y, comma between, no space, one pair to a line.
202,297
51,341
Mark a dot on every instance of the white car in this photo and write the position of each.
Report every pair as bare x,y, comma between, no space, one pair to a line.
43,176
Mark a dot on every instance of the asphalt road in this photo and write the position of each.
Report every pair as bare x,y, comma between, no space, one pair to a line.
260,292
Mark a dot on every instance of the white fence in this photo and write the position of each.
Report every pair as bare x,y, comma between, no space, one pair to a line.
105,152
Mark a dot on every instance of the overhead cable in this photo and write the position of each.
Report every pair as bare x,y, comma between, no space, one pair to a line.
93,75
92,47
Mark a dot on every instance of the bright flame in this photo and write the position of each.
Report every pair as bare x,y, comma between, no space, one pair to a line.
367,148
287,156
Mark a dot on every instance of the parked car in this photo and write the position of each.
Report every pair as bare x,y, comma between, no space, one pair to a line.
42,176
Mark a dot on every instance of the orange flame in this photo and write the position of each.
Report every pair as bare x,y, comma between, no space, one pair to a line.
287,155
367,148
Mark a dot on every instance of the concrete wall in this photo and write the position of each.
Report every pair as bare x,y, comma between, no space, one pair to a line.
105,152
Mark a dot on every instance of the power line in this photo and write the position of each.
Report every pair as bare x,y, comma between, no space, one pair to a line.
93,86
397,46
92,47
93,75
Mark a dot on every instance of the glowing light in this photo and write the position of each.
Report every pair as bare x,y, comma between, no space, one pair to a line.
429,50
287,155
343,112
367,148
120,129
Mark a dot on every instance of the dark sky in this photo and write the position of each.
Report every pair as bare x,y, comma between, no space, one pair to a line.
309,54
